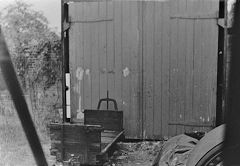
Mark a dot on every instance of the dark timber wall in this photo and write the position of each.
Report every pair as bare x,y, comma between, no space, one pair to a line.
158,59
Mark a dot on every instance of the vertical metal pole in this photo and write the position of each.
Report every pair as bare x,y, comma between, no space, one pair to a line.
63,81
231,148
63,65
107,100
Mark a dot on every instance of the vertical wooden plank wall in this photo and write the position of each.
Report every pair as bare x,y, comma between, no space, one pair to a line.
165,84
189,65
104,46
156,58
76,62
193,88
179,66
174,70
148,65
130,67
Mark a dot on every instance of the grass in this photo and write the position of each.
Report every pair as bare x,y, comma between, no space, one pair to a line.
14,148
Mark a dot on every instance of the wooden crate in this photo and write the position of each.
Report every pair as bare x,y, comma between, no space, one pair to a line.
81,140
92,141
108,119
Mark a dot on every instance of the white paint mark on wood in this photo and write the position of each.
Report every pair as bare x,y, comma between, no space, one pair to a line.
144,134
87,72
79,73
124,103
77,89
80,114
126,72
68,100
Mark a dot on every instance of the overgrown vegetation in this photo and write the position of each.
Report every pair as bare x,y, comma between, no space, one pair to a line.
34,47
35,50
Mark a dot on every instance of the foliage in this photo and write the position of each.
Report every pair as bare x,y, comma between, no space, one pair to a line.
34,47
35,51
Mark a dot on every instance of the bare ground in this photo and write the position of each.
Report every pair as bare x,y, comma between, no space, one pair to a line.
14,148
21,155
131,154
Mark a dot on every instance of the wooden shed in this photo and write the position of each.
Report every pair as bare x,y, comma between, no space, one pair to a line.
158,59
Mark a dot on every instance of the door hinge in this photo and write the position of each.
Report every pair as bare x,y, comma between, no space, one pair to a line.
66,25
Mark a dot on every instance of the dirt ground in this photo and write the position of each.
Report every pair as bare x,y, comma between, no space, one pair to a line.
135,154
127,154
14,148
21,155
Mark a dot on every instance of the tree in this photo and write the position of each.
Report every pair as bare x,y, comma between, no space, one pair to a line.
34,47
35,51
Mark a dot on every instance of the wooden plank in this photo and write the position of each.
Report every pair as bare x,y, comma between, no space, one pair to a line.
112,142
79,70
95,63
189,67
93,20
118,52
192,124
165,69
182,34
208,67
76,53
195,15
87,51
91,13
140,79
110,52
148,57
72,66
109,120
205,68
173,69
158,69
80,140
67,1
126,68
103,51
109,149
211,115
135,71
197,65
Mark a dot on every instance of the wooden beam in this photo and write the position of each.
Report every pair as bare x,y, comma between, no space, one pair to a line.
109,120
92,21
193,124
67,1
109,149
195,16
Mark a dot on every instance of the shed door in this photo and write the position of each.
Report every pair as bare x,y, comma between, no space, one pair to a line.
91,54
104,56
158,59
180,44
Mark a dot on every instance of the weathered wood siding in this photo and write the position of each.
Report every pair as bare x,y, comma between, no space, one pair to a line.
158,59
